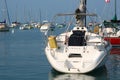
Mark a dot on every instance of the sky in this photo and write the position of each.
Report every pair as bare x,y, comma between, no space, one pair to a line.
24,10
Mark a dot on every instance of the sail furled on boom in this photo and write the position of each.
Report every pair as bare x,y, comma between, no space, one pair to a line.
82,9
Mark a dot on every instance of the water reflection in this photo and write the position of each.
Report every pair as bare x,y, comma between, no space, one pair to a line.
115,50
113,67
4,42
99,74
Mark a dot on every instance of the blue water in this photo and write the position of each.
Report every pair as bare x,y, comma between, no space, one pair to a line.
22,58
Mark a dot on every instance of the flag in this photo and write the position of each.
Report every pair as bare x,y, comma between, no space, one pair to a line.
107,1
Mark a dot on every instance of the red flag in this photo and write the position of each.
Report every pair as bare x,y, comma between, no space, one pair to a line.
107,1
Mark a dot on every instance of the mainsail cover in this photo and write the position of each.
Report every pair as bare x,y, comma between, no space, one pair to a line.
82,9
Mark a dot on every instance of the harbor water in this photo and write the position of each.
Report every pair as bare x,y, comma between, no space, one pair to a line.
22,57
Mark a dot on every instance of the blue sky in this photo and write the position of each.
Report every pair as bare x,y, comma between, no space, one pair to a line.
30,9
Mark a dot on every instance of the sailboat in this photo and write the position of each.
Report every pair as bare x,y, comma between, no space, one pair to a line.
77,50
45,26
112,29
4,24
15,24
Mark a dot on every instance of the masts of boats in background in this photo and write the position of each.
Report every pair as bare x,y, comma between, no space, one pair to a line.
40,16
9,22
40,21
15,24
4,25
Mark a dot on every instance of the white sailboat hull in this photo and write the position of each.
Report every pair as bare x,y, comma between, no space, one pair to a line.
76,65
78,50
77,59
45,27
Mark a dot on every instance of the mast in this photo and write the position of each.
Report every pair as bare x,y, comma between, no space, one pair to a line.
85,11
7,12
40,16
16,14
81,19
115,15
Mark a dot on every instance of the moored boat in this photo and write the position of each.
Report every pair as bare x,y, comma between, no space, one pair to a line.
45,26
4,24
25,26
77,50
115,41
112,32
111,29
15,24
3,27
